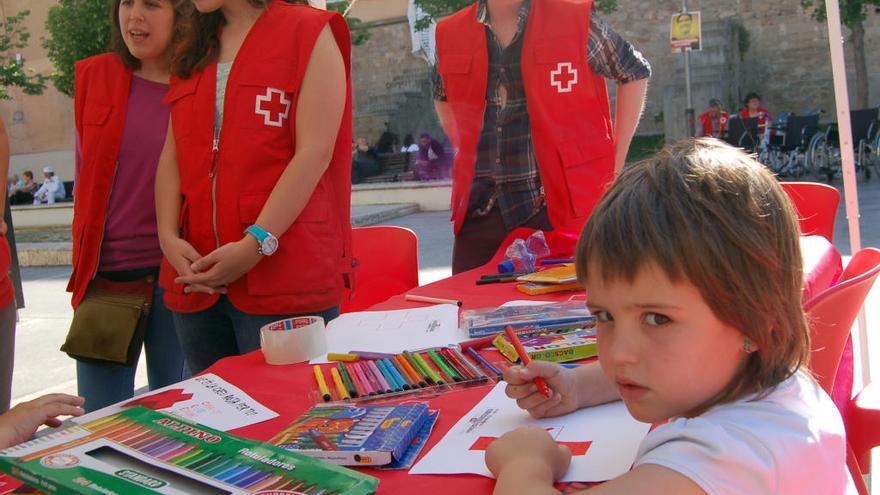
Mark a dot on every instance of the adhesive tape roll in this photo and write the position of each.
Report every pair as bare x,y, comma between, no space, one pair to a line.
293,340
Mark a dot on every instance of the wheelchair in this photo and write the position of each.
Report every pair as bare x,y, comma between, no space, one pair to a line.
823,154
743,133
785,146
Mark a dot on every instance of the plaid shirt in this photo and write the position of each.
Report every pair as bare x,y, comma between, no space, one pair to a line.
506,172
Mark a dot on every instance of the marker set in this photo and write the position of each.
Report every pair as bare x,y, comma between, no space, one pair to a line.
139,451
428,372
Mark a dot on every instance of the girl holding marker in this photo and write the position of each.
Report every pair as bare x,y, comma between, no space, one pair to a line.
253,188
121,123
693,268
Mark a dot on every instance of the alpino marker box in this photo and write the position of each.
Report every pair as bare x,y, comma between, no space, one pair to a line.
140,451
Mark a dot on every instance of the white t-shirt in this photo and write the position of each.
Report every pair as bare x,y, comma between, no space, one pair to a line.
790,442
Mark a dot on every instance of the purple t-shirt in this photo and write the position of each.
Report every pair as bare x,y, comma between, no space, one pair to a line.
130,236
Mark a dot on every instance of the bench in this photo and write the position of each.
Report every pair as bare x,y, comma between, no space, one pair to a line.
396,167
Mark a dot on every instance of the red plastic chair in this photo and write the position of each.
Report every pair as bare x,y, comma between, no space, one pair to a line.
816,206
832,312
388,265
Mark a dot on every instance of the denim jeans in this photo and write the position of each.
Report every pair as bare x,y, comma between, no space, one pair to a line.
103,383
222,331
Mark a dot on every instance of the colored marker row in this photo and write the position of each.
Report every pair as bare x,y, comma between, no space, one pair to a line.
230,470
404,372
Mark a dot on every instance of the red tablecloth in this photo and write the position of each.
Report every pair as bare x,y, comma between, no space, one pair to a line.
285,389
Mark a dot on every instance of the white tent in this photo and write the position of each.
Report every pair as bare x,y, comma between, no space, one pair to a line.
850,192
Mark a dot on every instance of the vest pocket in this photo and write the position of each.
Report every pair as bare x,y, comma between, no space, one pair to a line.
588,171
304,262
265,98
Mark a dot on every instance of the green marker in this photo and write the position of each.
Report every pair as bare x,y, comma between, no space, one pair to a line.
346,379
427,368
443,366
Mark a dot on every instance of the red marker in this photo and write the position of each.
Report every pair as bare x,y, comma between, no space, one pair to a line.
524,356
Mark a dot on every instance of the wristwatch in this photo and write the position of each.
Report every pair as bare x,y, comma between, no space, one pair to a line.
268,242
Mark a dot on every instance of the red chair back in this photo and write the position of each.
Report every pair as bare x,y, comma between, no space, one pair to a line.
816,206
388,265
832,312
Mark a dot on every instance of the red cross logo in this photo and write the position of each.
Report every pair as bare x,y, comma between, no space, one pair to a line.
563,77
274,106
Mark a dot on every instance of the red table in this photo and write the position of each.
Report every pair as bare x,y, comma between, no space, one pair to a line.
285,388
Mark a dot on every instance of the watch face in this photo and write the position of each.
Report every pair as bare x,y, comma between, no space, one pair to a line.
269,245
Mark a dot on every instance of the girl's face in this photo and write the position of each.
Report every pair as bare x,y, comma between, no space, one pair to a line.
754,104
660,344
147,27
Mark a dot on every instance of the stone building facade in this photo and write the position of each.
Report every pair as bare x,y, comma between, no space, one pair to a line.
772,47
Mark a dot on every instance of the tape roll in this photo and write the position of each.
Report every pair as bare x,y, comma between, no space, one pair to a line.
293,340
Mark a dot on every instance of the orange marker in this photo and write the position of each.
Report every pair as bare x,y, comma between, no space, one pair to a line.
524,356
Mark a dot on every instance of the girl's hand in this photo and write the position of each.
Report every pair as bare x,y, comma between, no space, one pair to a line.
19,423
531,452
181,254
222,266
564,397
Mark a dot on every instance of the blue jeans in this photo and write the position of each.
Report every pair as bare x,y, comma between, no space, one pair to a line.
222,331
103,383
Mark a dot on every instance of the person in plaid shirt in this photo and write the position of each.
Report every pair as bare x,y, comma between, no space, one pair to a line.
505,190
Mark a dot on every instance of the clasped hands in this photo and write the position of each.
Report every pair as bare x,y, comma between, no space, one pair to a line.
213,272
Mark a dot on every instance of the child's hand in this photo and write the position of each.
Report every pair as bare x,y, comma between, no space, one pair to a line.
563,390
531,451
19,423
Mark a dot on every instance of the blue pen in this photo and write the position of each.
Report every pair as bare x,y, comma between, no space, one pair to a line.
388,375
556,261
397,376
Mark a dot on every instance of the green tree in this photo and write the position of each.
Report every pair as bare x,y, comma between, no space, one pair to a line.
853,14
437,9
13,38
359,32
77,29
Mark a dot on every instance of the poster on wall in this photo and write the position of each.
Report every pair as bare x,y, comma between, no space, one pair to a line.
685,32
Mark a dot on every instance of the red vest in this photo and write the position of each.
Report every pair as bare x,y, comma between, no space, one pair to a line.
570,117
224,191
100,104
706,122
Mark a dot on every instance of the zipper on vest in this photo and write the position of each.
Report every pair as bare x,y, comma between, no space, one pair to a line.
215,152
104,224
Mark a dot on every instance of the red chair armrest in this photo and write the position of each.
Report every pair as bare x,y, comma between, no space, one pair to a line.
862,421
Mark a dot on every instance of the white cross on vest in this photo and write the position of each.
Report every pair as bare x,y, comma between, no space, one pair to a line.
563,77
274,110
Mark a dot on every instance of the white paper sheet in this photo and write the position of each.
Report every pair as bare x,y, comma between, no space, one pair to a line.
393,331
206,399
613,436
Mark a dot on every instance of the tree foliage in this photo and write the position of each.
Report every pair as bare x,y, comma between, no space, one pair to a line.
13,38
77,29
437,9
851,11
359,32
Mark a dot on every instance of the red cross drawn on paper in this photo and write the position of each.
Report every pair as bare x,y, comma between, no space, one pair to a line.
563,77
577,448
162,400
274,106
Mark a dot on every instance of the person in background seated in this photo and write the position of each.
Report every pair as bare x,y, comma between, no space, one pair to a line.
20,423
12,183
364,161
754,109
714,120
52,188
693,265
409,144
24,195
431,158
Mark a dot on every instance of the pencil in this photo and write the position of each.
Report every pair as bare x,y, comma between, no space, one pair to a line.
433,300
322,385
340,387
524,356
